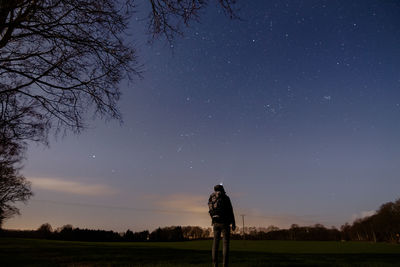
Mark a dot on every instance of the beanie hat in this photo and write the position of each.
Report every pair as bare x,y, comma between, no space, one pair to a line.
220,188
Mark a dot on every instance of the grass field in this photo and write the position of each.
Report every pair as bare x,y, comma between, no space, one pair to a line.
31,252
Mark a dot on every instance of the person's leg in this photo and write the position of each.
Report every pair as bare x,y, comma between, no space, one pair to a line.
217,235
226,233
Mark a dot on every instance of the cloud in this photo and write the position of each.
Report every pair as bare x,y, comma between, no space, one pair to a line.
363,214
71,187
182,202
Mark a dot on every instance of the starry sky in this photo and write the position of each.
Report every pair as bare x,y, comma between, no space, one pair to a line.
295,108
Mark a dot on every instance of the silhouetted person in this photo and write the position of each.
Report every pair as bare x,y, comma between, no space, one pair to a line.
221,212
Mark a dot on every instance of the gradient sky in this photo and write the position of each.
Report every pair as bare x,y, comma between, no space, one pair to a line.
295,108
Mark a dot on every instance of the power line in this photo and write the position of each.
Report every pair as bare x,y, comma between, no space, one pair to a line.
114,207
80,204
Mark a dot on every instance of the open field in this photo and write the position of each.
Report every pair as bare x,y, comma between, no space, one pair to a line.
31,252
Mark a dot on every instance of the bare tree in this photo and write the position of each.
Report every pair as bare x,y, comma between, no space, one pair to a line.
63,59
13,188
168,16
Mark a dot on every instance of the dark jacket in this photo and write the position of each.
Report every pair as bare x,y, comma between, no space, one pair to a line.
226,215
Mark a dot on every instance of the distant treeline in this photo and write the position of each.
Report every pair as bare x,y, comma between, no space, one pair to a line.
317,232
68,232
383,226
177,233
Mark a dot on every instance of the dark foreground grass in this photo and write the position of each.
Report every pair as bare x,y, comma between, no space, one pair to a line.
31,252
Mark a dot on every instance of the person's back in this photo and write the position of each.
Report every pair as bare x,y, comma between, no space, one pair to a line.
221,212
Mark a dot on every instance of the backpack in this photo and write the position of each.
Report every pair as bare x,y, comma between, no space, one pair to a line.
216,206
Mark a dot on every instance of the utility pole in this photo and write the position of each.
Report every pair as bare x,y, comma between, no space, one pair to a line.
243,224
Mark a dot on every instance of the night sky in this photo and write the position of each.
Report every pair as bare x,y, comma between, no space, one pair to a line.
295,108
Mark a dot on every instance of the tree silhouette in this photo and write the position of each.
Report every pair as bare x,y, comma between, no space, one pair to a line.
167,16
45,230
384,225
61,60
13,188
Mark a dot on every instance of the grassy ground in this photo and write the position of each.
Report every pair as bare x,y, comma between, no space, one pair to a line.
30,252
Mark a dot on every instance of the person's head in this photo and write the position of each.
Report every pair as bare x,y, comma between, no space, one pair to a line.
219,188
